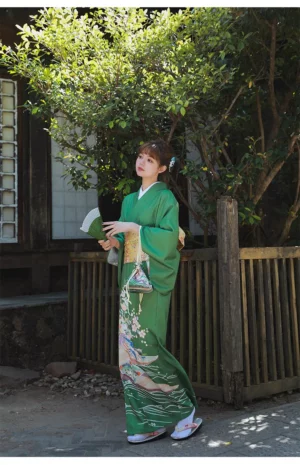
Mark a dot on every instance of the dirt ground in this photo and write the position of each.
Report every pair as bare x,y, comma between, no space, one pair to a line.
31,404
37,422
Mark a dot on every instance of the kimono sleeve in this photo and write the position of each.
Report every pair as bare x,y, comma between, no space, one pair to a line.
121,239
120,236
160,243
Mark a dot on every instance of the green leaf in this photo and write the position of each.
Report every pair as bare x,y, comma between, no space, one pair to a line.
182,111
241,45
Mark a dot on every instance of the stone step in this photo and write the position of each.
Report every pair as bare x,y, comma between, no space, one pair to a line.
12,377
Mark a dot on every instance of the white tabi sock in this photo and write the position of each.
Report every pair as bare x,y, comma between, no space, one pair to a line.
181,424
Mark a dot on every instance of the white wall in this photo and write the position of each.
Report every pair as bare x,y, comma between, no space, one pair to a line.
69,207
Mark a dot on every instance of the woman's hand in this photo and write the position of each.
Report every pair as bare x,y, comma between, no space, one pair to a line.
111,242
116,227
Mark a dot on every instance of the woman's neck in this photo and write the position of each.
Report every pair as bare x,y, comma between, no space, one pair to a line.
147,183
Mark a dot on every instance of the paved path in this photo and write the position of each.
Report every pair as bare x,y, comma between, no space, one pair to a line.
39,423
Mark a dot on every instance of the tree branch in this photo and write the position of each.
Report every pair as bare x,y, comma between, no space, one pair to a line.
260,121
229,109
292,215
276,118
173,127
200,150
206,158
289,94
262,187
197,217
298,182
272,70
224,151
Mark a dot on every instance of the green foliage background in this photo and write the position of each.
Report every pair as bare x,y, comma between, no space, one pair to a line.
224,79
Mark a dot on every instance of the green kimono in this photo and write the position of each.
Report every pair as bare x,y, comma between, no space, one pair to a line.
157,390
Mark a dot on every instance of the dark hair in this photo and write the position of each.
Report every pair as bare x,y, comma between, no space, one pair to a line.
161,151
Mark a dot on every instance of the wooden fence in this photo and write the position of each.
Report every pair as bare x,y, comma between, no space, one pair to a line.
234,318
193,322
270,286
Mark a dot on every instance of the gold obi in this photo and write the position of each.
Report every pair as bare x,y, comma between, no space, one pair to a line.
132,242
131,248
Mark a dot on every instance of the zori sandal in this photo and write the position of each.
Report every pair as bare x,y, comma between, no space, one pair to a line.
192,426
139,438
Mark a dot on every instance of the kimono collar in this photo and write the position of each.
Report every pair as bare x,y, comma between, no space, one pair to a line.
157,186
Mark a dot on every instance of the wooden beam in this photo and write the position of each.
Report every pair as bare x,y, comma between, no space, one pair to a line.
193,255
230,301
29,259
272,387
38,179
269,252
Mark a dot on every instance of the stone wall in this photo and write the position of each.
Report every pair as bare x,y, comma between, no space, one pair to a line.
32,337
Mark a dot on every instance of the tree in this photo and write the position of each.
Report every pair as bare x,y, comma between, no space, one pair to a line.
225,79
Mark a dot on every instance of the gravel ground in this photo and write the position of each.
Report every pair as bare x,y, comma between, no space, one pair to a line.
88,384
83,384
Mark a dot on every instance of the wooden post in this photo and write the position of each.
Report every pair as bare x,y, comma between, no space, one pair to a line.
230,301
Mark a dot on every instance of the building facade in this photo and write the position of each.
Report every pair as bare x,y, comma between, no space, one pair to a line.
40,213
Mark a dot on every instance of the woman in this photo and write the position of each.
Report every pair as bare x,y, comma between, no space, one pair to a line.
157,390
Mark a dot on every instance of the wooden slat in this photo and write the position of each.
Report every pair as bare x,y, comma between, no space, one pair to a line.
294,318
216,326
209,392
85,256
271,347
182,342
287,345
245,325
207,323
174,322
88,312
100,313
278,322
262,324
269,252
199,319
82,310
191,320
271,388
198,254
253,326
70,308
185,255
106,316
94,314
113,331
75,315
297,263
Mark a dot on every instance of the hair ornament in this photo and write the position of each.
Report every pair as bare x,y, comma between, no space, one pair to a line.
172,163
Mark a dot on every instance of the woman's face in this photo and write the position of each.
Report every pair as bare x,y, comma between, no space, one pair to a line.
148,167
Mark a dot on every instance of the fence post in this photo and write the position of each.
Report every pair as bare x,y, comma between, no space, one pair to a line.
230,301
